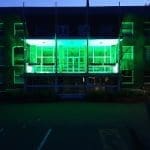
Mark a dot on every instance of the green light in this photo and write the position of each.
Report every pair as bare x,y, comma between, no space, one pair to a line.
103,42
103,56
40,42
40,56
72,56
72,42
127,58
115,68
29,69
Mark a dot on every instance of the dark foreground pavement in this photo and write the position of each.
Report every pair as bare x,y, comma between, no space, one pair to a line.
74,126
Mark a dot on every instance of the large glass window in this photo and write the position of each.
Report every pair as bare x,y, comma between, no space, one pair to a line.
103,56
72,56
40,56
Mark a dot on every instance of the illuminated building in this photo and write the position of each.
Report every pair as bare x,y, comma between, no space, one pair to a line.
73,50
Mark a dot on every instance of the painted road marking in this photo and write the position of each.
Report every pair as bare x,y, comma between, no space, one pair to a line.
44,139
112,140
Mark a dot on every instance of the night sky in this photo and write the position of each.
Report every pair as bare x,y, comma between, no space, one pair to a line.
5,3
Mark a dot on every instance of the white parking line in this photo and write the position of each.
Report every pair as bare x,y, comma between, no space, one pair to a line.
44,139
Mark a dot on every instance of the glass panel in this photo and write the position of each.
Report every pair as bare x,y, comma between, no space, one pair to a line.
40,56
103,56
72,56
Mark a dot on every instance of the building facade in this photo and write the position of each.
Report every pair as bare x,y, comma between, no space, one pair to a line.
73,50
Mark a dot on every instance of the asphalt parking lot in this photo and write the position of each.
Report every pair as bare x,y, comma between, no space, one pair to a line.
72,126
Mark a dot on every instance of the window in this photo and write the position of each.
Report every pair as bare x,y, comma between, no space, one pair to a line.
2,56
41,59
127,64
18,75
83,30
18,30
127,28
2,77
147,28
18,63
147,54
127,76
103,56
42,29
127,58
72,56
147,77
1,29
63,30
18,55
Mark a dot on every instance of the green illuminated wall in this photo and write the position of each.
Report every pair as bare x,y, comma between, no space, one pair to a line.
40,58
127,58
103,56
72,56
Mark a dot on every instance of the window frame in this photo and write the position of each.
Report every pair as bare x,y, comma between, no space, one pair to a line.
15,76
19,30
126,69
5,56
127,30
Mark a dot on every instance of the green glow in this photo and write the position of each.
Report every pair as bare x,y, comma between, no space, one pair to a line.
127,58
103,42
18,75
103,56
127,28
72,56
29,68
40,42
40,56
